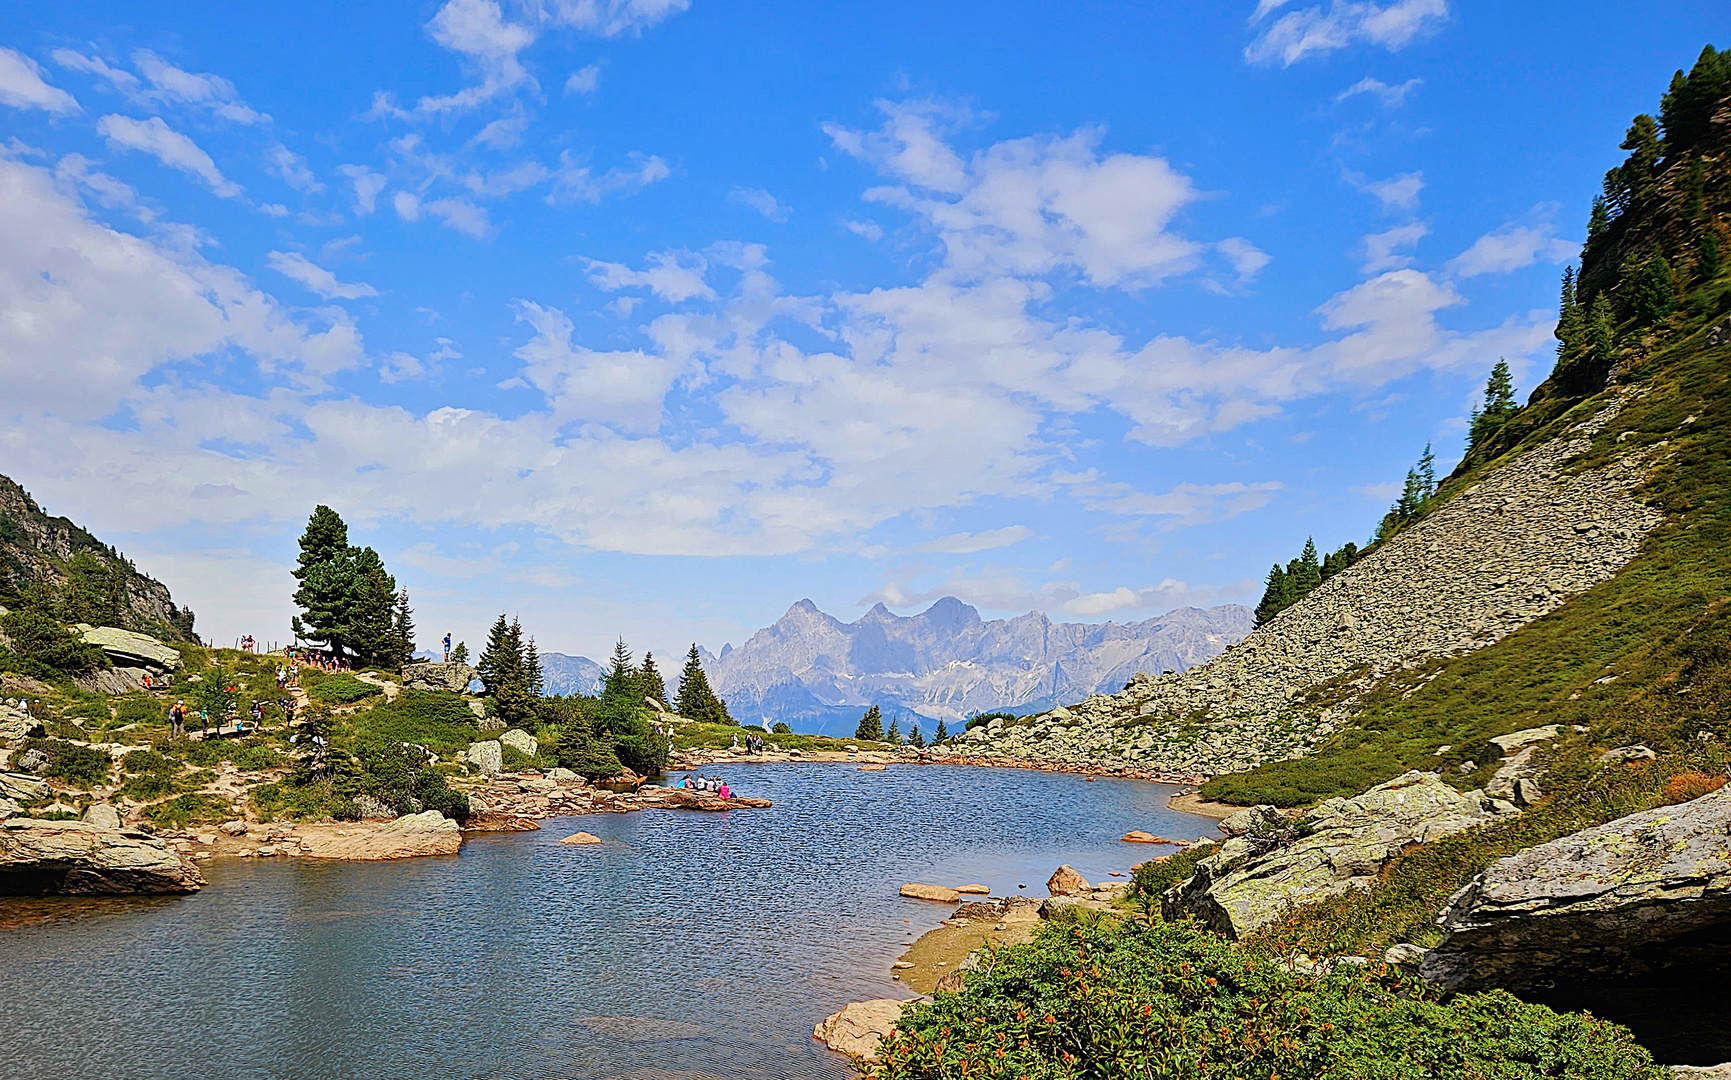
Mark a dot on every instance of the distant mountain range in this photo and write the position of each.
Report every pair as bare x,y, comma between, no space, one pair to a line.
818,673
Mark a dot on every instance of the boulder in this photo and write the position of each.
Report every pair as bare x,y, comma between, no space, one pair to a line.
1626,754
1514,771
1404,955
1137,836
1251,879
233,828
1645,894
428,833
375,809
1514,742
77,858
562,775
487,757
21,786
974,890
452,677
1250,819
581,838
1067,881
940,893
522,740
858,1028
127,648
102,815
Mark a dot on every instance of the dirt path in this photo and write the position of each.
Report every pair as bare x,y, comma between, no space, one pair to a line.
390,688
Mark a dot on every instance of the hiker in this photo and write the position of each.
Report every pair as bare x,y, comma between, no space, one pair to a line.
177,720
735,741
447,648
204,723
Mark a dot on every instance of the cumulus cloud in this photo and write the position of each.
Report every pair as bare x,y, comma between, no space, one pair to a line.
624,389
608,18
1512,247
119,78
1392,97
585,80
1319,30
674,276
316,278
23,86
1380,248
870,230
1030,206
168,146
293,169
367,185
1003,589
761,201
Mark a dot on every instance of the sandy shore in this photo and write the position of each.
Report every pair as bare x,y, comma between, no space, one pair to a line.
1189,802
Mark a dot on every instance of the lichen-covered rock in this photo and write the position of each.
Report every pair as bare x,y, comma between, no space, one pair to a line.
1644,893
129,649
77,858
451,676
102,815
1341,846
522,740
1249,819
487,757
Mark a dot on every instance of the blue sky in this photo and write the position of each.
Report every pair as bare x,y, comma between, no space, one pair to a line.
651,317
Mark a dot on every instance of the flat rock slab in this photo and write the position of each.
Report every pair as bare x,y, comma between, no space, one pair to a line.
859,1027
412,835
1137,836
581,838
1642,895
1253,878
131,649
942,894
681,799
77,858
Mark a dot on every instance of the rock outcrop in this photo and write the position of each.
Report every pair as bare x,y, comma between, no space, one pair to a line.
1068,881
1645,894
859,1027
942,894
524,742
487,757
77,858
450,676
412,835
1341,845
127,648
1503,552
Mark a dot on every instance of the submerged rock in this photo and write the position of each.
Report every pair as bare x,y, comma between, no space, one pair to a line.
859,1027
77,858
942,894
1342,845
1643,895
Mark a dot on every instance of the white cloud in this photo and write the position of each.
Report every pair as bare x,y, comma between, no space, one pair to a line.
293,169
585,80
1030,206
86,312
168,146
1166,596
367,185
1392,97
173,85
760,200
1380,248
124,81
1183,504
577,183
461,215
1315,31
1245,258
608,18
969,543
1396,193
870,230
1381,492
316,278
674,276
22,86
624,389
407,205
1512,247
1002,589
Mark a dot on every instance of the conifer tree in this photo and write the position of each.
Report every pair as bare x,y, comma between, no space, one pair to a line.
402,632
894,735
505,673
1276,596
1598,221
1499,406
1707,255
497,657
1427,460
533,678
620,700
1306,571
1336,561
460,654
871,726
326,573
649,682
1601,332
697,701
915,738
1654,295
941,736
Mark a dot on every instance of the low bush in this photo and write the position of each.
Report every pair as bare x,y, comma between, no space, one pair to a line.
301,802
436,719
255,756
781,728
1691,784
80,766
195,809
140,709
1106,1000
342,689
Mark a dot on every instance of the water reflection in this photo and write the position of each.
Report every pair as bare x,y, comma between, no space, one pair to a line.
686,945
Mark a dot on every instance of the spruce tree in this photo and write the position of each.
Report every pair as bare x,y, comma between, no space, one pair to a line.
1598,221
1601,332
533,678
498,657
402,632
1337,561
1707,256
371,611
697,701
1307,571
460,654
620,700
1427,460
328,579
915,738
871,726
894,735
942,735
649,681
1274,595
1654,296
1499,406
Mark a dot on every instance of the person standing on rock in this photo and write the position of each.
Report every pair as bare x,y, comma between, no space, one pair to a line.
447,648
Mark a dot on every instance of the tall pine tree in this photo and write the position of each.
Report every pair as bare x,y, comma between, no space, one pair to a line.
620,697
649,683
871,726
697,700
1498,408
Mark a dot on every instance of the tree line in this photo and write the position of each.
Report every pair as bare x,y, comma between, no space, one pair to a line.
871,729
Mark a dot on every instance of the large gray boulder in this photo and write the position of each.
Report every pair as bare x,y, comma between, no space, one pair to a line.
487,757
522,740
127,648
452,676
1342,845
78,858
1645,894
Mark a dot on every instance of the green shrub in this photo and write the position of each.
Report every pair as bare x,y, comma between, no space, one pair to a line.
1108,1000
146,786
178,813
436,719
140,709
206,752
341,689
80,766
1148,880
255,756
400,776
148,761
302,802
44,649
982,719
781,728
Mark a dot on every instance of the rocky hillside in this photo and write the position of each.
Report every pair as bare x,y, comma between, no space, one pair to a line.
1501,553
95,583
947,663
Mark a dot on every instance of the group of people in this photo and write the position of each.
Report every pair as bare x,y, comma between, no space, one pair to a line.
179,714
753,744
713,785
300,654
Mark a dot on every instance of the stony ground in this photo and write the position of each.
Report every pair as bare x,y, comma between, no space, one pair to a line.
1503,552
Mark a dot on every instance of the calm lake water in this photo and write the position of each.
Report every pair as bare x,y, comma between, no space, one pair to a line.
689,945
